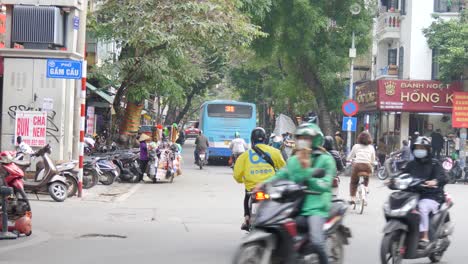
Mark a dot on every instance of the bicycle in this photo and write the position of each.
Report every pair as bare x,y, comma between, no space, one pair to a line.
361,194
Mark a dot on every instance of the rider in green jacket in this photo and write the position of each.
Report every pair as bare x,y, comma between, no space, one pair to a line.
310,158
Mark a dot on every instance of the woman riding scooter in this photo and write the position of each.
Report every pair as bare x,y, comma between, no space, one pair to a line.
425,167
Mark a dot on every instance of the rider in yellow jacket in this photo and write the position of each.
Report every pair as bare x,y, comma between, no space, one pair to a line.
251,169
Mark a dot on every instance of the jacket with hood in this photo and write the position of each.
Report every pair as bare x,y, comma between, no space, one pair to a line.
313,204
428,169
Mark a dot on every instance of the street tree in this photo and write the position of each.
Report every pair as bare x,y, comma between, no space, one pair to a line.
175,49
307,45
450,39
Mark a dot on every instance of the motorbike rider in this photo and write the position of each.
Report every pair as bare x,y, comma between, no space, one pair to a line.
201,145
328,144
144,156
255,166
237,146
405,152
311,159
425,167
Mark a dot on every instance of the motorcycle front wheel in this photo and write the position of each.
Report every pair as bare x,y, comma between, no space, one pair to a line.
90,179
390,252
249,254
107,178
72,185
382,173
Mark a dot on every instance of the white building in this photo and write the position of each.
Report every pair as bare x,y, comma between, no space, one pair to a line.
403,98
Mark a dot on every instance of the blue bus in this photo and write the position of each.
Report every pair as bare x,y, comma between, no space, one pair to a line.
220,119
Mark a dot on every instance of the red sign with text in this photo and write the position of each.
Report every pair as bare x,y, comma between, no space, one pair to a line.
460,110
32,127
416,96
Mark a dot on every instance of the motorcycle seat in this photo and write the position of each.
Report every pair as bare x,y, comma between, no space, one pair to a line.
22,163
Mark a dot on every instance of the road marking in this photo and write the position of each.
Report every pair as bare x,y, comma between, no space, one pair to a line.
38,237
125,196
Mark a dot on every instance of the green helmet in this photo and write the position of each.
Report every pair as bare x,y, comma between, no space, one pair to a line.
311,130
236,134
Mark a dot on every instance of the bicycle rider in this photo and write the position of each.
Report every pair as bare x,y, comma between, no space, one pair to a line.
363,157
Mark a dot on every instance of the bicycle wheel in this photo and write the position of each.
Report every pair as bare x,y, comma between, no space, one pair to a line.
362,198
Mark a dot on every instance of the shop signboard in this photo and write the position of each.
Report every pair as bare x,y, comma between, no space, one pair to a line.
416,96
32,127
460,110
366,96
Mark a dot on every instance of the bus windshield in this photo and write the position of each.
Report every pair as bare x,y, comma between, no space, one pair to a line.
229,111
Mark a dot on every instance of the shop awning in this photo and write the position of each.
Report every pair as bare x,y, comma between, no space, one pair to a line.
102,94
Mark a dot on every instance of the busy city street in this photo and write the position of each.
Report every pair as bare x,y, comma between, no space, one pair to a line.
194,220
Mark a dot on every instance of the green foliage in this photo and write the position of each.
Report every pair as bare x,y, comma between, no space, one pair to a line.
450,38
177,49
305,50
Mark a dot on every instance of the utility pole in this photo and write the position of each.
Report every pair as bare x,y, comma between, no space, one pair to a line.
352,55
80,99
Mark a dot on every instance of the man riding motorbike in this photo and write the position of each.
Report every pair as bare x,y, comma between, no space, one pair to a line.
237,146
311,159
201,144
425,167
255,166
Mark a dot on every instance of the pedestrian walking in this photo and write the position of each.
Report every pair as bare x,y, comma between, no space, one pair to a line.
437,143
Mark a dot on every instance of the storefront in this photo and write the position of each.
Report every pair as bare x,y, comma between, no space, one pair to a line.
398,108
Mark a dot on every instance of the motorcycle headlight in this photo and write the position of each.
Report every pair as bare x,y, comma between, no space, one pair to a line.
402,184
410,205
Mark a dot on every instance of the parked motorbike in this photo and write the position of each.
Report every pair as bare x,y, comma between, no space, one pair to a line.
280,235
107,170
47,178
401,233
70,172
17,204
90,173
453,170
127,163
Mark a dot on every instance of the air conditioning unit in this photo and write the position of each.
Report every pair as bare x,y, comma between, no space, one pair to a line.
38,27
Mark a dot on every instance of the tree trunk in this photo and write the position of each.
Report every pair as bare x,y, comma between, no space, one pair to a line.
131,120
325,120
188,102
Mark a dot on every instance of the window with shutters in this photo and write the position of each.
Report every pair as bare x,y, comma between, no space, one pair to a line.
392,56
401,59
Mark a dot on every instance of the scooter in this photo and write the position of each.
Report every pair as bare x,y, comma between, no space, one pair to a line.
127,163
280,234
201,161
391,166
17,206
107,170
47,179
70,172
401,233
90,173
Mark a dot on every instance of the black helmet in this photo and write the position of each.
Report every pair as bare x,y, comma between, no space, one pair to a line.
422,141
258,135
328,143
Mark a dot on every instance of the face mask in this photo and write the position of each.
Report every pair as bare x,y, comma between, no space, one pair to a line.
303,144
420,153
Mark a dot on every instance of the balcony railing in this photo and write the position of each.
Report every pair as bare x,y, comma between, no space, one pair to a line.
388,25
388,71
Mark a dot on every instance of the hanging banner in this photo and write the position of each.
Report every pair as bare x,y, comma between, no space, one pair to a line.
32,127
460,110
90,118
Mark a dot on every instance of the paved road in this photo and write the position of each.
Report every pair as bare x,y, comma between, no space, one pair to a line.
194,220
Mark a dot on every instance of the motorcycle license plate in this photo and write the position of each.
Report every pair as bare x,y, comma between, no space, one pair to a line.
254,208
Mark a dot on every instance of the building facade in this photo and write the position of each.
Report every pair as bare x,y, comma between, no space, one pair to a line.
404,95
